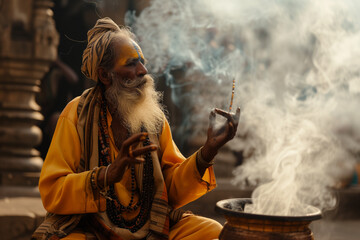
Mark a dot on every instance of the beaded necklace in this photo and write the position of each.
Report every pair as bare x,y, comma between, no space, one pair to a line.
114,208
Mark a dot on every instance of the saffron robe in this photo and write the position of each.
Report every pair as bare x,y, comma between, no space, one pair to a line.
64,191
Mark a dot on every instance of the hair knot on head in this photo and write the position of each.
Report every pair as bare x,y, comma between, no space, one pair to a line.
99,38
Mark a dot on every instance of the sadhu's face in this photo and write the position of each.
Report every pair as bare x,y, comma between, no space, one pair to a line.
130,61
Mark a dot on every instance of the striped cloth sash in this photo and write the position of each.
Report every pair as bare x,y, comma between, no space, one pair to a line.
161,214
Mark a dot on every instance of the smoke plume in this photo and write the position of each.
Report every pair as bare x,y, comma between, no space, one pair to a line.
297,82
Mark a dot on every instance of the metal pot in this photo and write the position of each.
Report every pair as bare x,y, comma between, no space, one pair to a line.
240,225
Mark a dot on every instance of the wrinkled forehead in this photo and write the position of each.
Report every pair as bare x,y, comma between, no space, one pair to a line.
128,50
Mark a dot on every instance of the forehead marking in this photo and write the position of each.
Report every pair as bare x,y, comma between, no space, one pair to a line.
137,50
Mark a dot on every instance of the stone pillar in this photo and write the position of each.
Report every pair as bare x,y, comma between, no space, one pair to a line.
28,45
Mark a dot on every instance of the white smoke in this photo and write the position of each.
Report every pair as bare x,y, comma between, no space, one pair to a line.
297,81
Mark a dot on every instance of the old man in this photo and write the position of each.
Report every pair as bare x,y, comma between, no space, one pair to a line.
112,170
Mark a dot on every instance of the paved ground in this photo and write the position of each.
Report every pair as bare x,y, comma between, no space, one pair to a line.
20,216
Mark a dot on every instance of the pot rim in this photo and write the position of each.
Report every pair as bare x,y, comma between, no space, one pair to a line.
220,208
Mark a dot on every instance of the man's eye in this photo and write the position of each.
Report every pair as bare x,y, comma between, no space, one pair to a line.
130,64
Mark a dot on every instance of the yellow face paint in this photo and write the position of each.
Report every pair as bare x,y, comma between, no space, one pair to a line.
129,51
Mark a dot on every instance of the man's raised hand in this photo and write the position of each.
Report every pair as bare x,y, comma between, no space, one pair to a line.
217,137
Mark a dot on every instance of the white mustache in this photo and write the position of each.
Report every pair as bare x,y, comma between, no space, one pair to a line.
131,83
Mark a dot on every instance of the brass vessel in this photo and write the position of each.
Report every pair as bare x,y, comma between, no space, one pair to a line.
241,225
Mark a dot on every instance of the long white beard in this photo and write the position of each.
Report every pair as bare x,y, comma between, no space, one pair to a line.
137,103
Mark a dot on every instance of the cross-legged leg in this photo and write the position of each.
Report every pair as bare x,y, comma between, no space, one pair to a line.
195,228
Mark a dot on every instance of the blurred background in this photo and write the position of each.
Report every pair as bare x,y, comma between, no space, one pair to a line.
296,80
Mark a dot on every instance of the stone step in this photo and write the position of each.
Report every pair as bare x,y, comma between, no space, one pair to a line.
19,217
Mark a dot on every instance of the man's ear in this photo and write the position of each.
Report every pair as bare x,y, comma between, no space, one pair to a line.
104,76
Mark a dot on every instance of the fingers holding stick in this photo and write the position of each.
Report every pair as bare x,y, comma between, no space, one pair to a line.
231,117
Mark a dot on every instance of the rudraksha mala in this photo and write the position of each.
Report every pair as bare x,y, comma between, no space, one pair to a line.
114,208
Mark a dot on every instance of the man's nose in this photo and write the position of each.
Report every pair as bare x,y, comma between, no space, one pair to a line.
141,69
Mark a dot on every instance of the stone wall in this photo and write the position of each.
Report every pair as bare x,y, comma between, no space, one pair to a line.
28,45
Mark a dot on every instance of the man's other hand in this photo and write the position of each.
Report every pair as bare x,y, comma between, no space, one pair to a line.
130,154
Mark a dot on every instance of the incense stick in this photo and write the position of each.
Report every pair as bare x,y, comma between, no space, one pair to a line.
232,95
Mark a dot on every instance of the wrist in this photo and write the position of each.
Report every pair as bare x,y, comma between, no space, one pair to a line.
100,179
104,177
95,178
208,153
